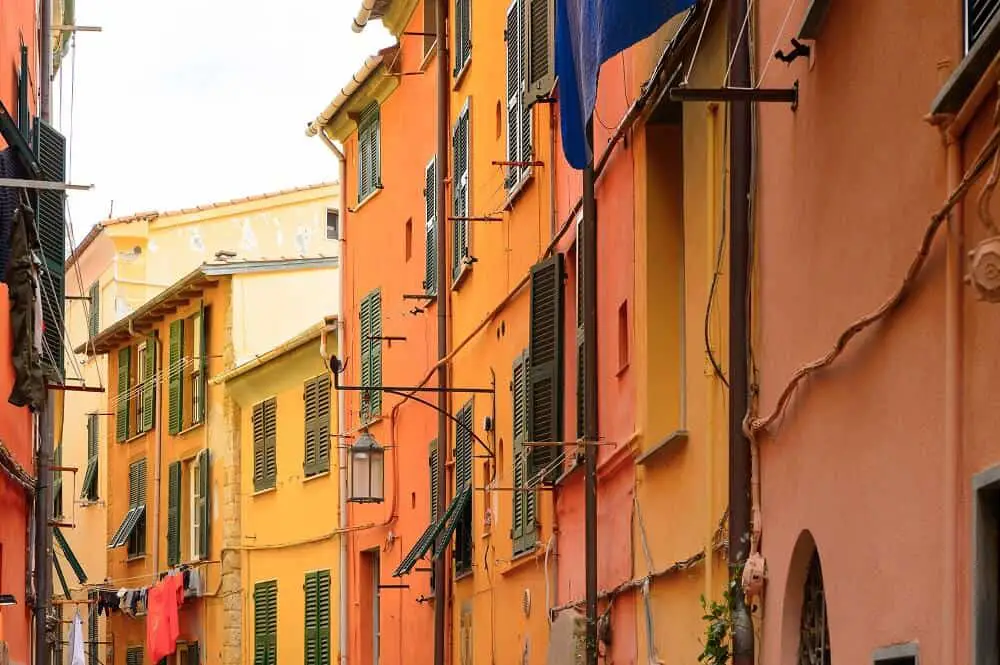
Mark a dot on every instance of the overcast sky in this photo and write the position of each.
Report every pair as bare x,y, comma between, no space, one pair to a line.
196,101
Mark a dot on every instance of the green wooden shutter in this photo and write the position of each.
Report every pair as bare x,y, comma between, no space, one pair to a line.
375,349
134,656
89,490
463,34
430,228
435,482
463,448
323,617
525,153
460,191
204,504
201,390
174,514
175,413
581,400
545,374
366,358
193,654
122,410
149,388
310,399
94,320
523,531
540,53
323,414
511,35
50,207
271,442
259,455
92,630
265,623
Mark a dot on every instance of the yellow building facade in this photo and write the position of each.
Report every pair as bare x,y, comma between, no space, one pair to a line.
286,418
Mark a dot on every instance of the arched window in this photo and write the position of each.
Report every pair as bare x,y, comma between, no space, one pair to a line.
814,633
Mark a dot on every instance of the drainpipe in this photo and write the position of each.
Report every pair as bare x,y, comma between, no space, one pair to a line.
739,253
443,91
590,402
156,469
952,404
341,409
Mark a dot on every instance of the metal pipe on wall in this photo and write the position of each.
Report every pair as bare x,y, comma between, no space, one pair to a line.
590,403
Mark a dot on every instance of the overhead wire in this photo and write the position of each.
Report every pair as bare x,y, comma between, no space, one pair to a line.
777,38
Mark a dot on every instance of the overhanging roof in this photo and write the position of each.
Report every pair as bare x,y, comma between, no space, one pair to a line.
310,334
393,13
184,290
364,84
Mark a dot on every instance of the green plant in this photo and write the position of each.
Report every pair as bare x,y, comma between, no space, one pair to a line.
719,621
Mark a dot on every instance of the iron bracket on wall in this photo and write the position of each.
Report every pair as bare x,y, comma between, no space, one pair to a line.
782,95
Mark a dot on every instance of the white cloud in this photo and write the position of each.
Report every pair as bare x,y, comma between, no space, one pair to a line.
201,100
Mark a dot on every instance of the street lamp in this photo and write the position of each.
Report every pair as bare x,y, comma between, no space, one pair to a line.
367,470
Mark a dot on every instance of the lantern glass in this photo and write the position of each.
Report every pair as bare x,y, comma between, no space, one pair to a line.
367,469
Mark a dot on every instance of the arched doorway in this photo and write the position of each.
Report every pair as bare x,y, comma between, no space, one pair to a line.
814,632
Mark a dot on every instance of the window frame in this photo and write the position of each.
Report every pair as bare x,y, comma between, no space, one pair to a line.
196,375
463,552
139,365
335,215
136,542
370,136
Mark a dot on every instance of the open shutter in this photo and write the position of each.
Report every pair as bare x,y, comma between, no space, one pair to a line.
545,375
525,153
311,619
540,54
94,318
435,483
375,347
271,441
198,405
460,191
149,389
323,423
581,400
121,405
203,504
176,377
430,234
463,34
174,514
523,526
259,455
50,148
366,357
463,448
511,35
310,399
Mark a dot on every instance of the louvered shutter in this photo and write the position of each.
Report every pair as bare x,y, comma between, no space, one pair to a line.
463,34
203,504
581,400
323,617
545,375
540,54
134,656
271,441
435,484
174,514
375,347
430,234
89,492
175,413
122,397
512,36
523,520
50,148
94,319
311,619
366,357
364,164
193,654
265,596
460,192
310,399
463,448
323,423
92,630
201,390
149,387
978,14
259,454
524,111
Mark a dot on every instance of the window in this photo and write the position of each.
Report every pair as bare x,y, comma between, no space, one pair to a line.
317,615
94,310
174,477
369,169
408,241
140,382
200,485
134,656
316,395
814,633
463,480
523,529
136,396
188,364
460,190
623,336
57,497
265,623
540,53
137,503
332,225
978,14
463,34
518,115
188,653
198,362
122,396
986,567
430,231
89,492
545,376
371,355
265,434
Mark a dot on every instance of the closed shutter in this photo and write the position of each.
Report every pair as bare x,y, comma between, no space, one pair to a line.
540,53
259,454
435,483
460,191
581,400
200,390
366,357
94,318
175,413
545,374
149,389
271,441
202,505
512,36
122,410
523,111
193,654
265,616
463,448
430,234
371,355
134,656
92,630
523,529
323,415
50,147
174,514
463,34
978,14
369,171
310,399
317,618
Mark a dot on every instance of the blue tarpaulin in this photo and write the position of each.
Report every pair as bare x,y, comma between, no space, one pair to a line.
588,33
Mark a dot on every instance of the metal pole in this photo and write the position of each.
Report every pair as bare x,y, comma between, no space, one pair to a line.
590,423
443,91
739,252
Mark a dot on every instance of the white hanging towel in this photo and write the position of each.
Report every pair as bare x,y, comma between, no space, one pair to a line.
76,656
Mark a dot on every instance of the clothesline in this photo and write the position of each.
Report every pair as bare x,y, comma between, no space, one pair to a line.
113,584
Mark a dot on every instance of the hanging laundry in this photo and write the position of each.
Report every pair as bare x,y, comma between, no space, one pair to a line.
194,584
29,378
162,623
76,656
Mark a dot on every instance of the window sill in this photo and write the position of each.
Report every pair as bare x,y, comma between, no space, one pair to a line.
460,76
464,574
267,490
363,202
964,80
136,437
518,189
462,274
673,440
316,476
191,428
521,560
134,559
